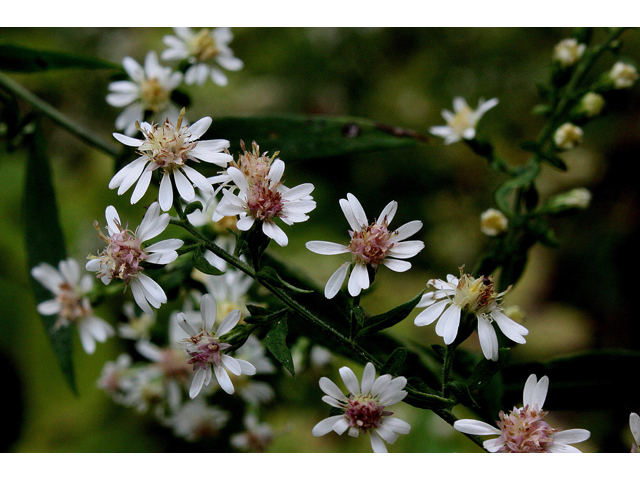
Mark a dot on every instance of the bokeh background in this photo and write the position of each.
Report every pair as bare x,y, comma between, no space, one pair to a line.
579,296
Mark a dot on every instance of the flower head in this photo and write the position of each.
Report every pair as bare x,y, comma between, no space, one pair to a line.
364,408
567,136
523,430
634,424
196,420
263,197
205,348
125,254
71,304
462,122
202,49
623,75
493,222
168,148
372,245
475,296
149,89
568,51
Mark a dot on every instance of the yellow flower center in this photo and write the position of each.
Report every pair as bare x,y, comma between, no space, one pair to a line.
154,97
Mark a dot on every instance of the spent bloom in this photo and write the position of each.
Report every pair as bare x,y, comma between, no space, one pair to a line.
567,136
205,348
461,123
364,409
475,296
149,90
124,255
202,49
568,52
263,197
523,430
168,148
71,304
372,245
623,75
493,222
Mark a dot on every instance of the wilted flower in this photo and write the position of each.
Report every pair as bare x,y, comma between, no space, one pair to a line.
124,255
523,430
371,245
148,90
475,296
364,408
168,148
623,75
568,51
71,303
493,222
567,136
462,123
263,197
202,50
205,348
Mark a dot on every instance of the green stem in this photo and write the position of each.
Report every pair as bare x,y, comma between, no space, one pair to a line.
65,122
446,368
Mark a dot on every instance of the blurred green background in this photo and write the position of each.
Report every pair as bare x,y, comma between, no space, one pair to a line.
577,297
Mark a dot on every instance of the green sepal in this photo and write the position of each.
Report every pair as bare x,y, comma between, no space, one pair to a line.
238,336
276,343
389,319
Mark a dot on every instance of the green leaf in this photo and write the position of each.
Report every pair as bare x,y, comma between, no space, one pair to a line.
304,137
276,343
592,380
426,397
265,317
44,242
202,264
14,58
269,274
395,361
485,370
390,318
522,180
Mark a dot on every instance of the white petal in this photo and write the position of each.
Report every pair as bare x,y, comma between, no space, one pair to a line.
397,425
450,321
475,427
540,393
141,187
386,433
223,379
575,435
388,212
510,328
350,380
359,277
113,219
325,426
165,194
246,368
208,311
49,307
430,314
488,339
377,444
186,326
562,448
231,364
396,265
358,211
198,179
197,382
331,389
406,249
154,293
185,189
245,223
368,377
634,424
229,322
271,230
326,248
199,128
493,445
129,141
336,280
276,171
529,388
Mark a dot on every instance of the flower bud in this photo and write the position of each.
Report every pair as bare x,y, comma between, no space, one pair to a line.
623,75
568,51
493,222
567,136
591,104
578,198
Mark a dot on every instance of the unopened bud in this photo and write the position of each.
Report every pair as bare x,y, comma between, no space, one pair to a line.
567,136
493,222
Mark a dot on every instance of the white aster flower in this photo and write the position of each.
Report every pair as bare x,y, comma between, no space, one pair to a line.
168,148
71,304
523,430
197,421
264,198
205,348
256,437
364,408
475,296
148,90
463,121
202,50
568,51
567,136
124,255
493,222
634,424
371,245
624,75
255,392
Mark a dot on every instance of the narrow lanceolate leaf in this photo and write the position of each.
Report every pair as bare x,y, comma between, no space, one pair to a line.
390,318
202,264
276,343
395,361
269,274
14,58
304,137
45,243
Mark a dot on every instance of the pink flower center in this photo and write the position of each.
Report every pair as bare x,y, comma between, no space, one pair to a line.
364,413
264,203
371,244
524,431
123,255
206,350
72,306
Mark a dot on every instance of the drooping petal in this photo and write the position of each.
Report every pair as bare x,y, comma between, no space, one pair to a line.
475,427
358,280
488,338
512,330
450,321
271,230
223,379
336,280
377,444
325,426
165,194
197,382
430,314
